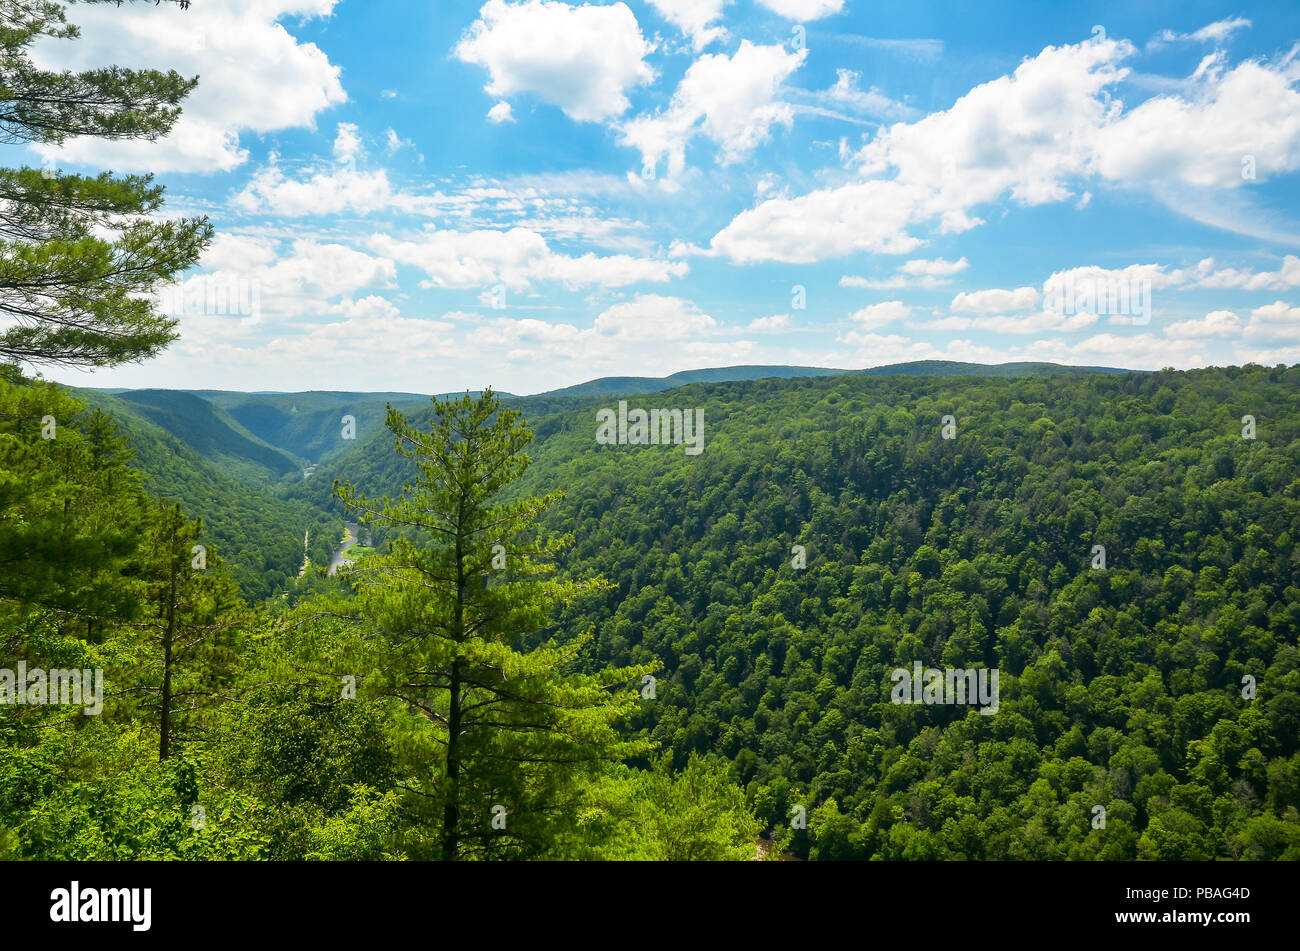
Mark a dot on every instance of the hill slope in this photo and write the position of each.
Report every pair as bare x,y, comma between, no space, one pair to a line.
259,535
1119,686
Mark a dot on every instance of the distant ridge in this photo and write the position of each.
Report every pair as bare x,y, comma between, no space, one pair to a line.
632,385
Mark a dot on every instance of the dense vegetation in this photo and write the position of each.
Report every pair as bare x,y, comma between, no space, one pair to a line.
1121,687
192,457
402,714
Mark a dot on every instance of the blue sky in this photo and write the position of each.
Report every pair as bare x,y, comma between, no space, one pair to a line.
430,197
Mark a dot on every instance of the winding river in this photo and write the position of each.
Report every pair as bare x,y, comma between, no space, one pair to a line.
339,557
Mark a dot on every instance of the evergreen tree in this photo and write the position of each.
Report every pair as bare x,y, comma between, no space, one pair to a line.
465,580
195,613
80,255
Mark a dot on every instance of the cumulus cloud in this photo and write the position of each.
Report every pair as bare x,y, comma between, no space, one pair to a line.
1276,320
654,317
1288,275
583,59
875,316
695,18
1025,135
995,300
326,191
1217,323
1034,137
729,99
239,48
777,323
1200,138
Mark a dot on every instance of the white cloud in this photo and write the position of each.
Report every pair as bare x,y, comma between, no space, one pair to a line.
1288,275
1041,322
581,59
323,192
845,94
916,273
516,258
730,99
654,317
1218,323
1202,139
1028,135
827,223
875,316
1143,351
803,10
394,143
777,323
501,112
1034,137
347,144
995,300
695,18
1215,32
936,267
253,76
1278,319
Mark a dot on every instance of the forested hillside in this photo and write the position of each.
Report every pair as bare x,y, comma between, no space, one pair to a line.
222,476
1126,687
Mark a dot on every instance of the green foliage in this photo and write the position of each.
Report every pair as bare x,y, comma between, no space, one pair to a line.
510,724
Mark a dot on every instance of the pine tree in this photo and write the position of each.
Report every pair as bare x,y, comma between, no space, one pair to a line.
195,614
468,576
80,255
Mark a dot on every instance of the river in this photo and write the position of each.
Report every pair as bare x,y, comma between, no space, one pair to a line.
338,558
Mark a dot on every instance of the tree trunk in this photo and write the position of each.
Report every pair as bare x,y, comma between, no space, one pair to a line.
165,728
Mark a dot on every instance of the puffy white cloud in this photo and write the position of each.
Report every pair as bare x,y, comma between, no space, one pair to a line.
803,10
252,278
347,144
1034,137
1203,139
695,18
501,112
582,59
325,192
777,323
654,317
827,223
516,258
1140,351
875,316
995,300
1288,275
1217,323
1278,319
254,76
1027,135
730,99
